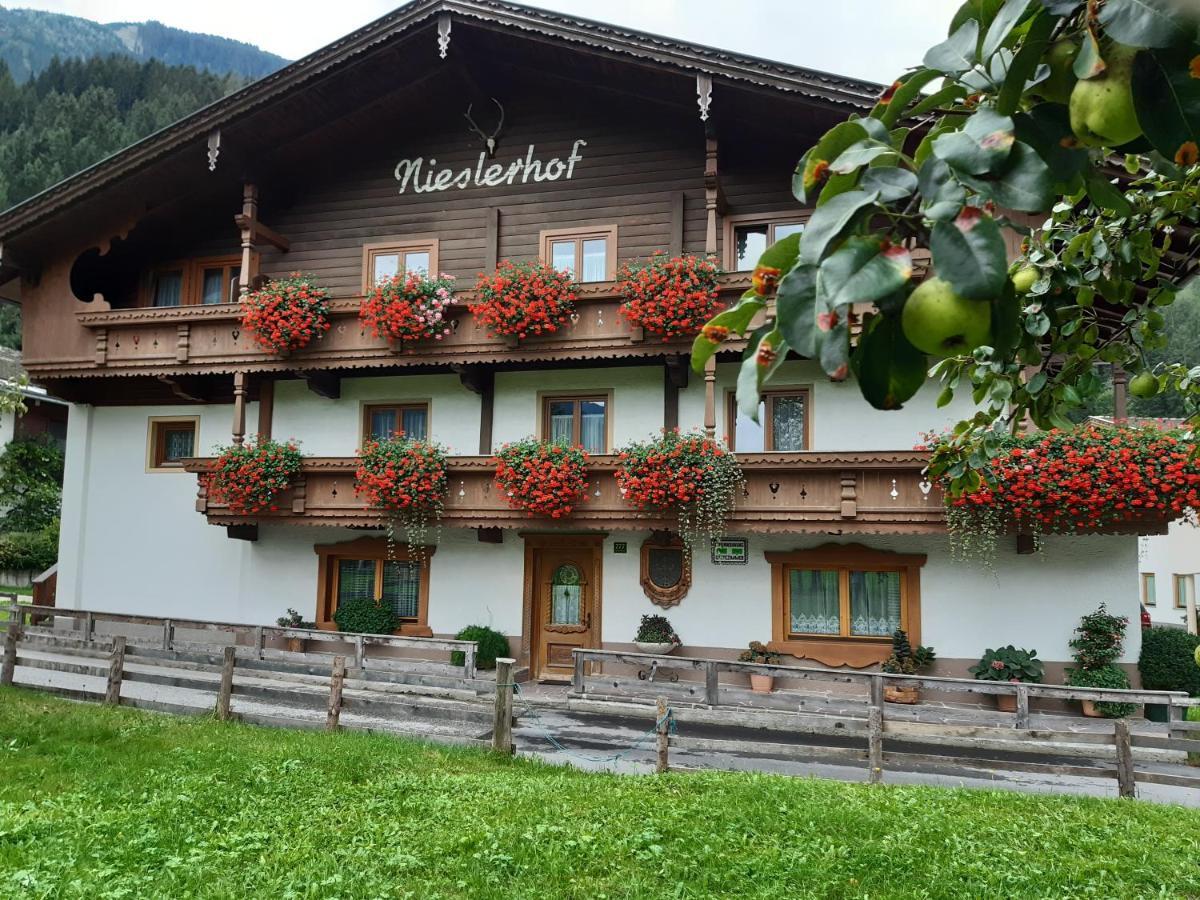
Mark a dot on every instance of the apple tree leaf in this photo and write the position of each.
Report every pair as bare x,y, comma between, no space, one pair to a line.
889,369
734,320
941,195
1024,183
969,253
832,221
863,270
1167,97
982,145
1143,23
891,183
762,358
956,54
796,308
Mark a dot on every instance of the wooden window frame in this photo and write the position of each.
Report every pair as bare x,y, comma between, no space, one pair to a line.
770,219
156,429
556,235
666,597
1178,581
401,248
193,279
844,649
544,399
373,548
367,407
731,415
1149,597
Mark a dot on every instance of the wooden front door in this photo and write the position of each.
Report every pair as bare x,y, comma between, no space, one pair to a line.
564,608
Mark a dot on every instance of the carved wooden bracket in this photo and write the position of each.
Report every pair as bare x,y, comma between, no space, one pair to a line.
476,379
678,369
242,532
323,384
101,346
444,24
849,495
299,494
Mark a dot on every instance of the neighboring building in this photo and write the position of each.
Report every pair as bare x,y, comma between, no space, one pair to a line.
128,269
44,415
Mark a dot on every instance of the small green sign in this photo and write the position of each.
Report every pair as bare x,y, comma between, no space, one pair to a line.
730,552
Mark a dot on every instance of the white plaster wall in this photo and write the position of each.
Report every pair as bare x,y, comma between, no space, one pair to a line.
1175,553
8,427
334,427
840,418
637,411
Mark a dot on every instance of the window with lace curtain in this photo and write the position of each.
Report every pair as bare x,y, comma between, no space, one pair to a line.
365,569
578,421
782,426
383,421
842,595
170,441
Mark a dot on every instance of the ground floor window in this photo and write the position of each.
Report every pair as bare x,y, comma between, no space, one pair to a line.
169,442
363,569
840,603
1149,589
1181,588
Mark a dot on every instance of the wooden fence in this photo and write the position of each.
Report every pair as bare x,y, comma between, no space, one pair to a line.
865,733
249,640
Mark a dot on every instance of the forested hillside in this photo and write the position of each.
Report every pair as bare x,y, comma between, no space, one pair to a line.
29,39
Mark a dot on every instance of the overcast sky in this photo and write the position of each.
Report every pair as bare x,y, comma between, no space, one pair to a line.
872,39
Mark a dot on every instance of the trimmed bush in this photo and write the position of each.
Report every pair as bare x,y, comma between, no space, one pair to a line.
491,644
1167,661
365,616
32,551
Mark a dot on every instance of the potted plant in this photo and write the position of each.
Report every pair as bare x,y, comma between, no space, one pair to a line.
671,296
524,299
1096,647
1009,664
760,654
409,307
247,477
655,635
286,314
542,478
405,480
293,620
904,660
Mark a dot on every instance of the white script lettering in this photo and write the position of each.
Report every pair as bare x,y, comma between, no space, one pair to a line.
425,177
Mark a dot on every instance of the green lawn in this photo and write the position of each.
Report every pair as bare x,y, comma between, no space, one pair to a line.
99,802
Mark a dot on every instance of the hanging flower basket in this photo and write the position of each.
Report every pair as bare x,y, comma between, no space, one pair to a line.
405,480
409,308
523,299
1092,478
541,478
689,475
247,477
286,314
670,296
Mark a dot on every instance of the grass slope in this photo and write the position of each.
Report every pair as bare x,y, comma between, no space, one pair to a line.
99,802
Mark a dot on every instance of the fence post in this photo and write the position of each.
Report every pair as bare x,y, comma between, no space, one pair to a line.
168,633
360,660
577,684
1126,786
875,744
260,641
11,635
336,680
226,691
502,741
1022,706
116,671
469,661
662,728
712,685
877,691
89,626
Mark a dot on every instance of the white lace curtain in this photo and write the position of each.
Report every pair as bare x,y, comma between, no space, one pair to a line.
874,603
815,602
816,608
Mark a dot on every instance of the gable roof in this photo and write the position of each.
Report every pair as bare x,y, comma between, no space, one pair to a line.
599,37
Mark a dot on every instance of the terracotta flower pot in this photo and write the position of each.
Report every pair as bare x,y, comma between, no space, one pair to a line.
1089,709
908,695
762,684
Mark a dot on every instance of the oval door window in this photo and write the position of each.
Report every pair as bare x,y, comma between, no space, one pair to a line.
566,596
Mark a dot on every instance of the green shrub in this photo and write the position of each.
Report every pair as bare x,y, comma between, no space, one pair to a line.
1109,676
491,644
29,550
365,616
1167,661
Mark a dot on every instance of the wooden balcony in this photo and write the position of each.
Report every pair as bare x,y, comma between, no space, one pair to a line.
198,340
872,492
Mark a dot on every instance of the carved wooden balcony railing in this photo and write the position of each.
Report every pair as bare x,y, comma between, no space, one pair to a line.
195,340
829,493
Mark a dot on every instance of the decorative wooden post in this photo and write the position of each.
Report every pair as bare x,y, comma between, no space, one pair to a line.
336,680
116,671
502,741
875,744
662,726
1120,383
249,218
239,407
11,635
225,694
1126,785
710,397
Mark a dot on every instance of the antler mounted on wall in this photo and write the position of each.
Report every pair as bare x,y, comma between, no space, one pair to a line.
489,139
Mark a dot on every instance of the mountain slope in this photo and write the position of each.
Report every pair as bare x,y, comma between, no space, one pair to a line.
29,39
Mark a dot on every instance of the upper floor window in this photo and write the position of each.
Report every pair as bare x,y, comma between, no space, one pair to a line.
382,261
782,426
589,254
382,421
170,441
746,237
580,421
1149,590
1182,583
193,281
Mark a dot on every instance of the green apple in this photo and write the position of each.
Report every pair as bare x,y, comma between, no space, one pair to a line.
1024,279
1143,385
1102,109
1061,80
939,322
